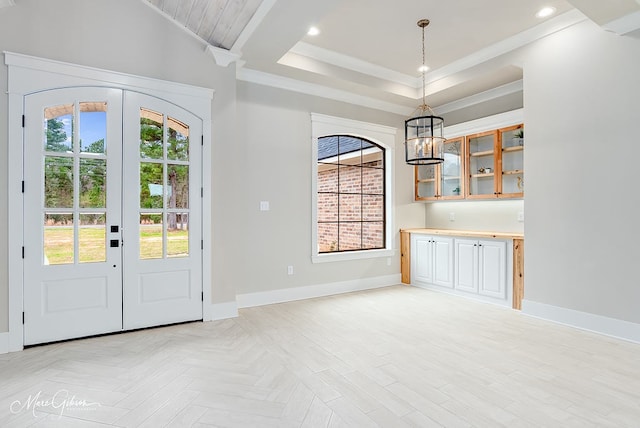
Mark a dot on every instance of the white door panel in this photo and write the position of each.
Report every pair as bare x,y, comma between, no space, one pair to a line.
163,285
72,276
84,196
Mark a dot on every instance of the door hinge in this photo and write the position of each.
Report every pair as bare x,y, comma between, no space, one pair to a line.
23,252
23,318
202,192
22,186
202,140
202,244
202,296
23,120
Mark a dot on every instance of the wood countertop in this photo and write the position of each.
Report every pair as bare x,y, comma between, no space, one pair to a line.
470,233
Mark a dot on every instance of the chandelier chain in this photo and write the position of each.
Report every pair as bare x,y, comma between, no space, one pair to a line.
424,72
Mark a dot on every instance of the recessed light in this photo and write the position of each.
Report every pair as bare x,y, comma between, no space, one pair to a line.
313,31
546,11
423,68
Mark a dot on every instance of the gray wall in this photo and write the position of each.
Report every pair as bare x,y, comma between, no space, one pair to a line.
581,90
277,168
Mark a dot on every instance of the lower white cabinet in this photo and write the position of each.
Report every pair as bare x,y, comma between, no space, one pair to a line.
469,267
432,259
480,267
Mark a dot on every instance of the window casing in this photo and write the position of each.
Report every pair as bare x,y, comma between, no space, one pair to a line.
359,156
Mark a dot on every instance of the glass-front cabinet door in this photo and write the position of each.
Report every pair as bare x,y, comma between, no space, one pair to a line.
511,141
451,170
445,180
426,183
481,164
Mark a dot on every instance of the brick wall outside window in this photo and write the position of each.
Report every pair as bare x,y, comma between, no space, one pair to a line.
351,214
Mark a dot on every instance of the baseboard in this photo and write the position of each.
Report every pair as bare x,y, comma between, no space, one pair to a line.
308,292
4,343
583,320
221,311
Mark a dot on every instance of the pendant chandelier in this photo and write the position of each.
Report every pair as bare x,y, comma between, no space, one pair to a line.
423,140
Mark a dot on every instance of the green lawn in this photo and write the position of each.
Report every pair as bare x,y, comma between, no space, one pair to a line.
92,243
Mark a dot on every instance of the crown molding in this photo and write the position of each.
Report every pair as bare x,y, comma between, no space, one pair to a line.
510,44
625,24
354,64
289,84
500,91
223,57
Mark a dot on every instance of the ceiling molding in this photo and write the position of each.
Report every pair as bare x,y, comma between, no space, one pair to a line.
223,57
354,64
415,83
491,94
625,24
6,3
252,25
524,38
313,89
499,120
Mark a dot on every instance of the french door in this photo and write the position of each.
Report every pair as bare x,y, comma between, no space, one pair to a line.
112,213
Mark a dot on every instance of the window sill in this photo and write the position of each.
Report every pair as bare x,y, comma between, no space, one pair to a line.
352,255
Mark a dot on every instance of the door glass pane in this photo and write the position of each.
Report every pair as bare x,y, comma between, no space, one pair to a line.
151,236
58,127
58,238
151,134
177,140
481,168
58,182
151,185
451,170
177,234
92,238
93,127
93,183
178,181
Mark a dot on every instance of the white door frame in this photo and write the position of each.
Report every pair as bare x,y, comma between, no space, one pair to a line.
27,75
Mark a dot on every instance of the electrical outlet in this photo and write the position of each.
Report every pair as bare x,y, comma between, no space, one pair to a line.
289,270
520,216
264,205
452,216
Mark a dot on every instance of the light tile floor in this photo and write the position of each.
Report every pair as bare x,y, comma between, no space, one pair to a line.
393,357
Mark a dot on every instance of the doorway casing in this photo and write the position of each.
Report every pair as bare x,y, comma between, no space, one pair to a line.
28,75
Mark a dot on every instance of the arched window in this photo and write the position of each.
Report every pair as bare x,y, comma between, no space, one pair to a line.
350,194
351,202
352,189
